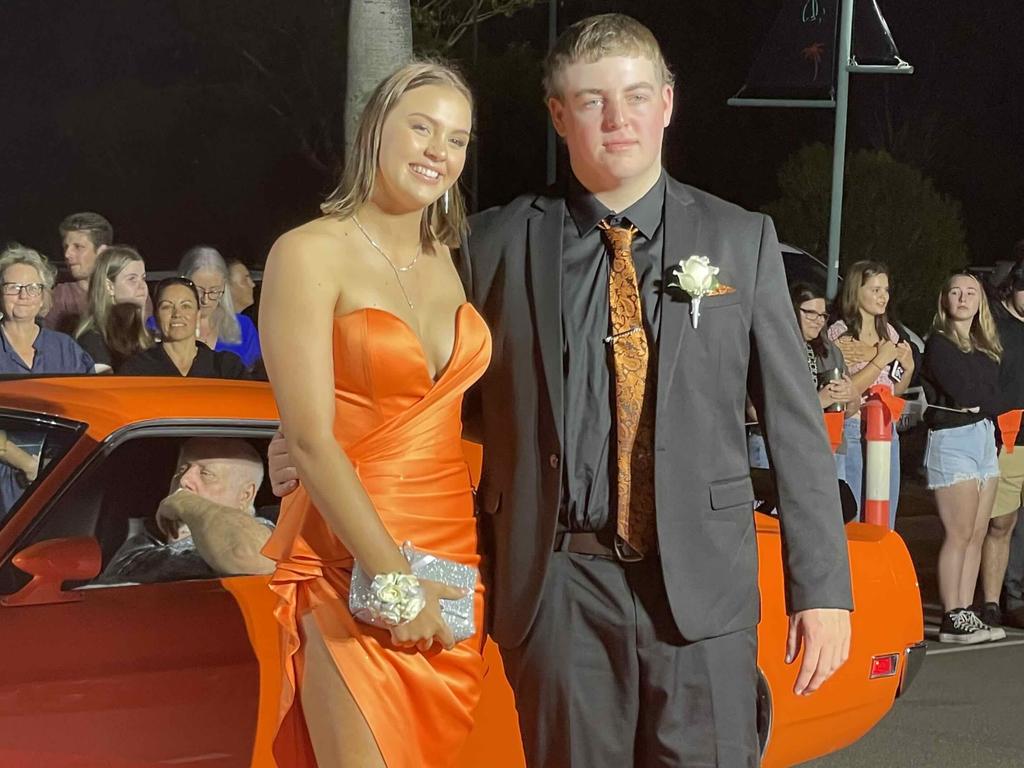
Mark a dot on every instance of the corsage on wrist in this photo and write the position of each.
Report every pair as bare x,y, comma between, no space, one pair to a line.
395,598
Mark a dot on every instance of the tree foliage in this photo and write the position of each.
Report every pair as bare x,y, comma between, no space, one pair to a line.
438,25
891,213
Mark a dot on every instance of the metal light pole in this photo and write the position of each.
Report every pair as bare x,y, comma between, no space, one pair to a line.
845,65
839,146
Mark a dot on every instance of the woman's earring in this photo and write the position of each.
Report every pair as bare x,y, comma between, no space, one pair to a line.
444,203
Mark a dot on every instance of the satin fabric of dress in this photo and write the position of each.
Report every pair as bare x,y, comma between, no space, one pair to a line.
402,432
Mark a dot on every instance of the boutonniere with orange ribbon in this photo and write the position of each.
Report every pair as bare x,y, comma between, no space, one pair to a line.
698,278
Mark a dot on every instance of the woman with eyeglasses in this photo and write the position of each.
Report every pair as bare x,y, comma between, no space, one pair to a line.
889,363
179,351
26,347
113,328
825,362
823,357
221,328
961,371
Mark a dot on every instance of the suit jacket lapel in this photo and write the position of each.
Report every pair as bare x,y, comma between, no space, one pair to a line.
544,264
682,236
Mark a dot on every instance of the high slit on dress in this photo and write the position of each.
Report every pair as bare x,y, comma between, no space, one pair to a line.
402,432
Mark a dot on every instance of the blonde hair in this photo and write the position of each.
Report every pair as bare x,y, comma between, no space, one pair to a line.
19,254
597,37
109,265
360,174
983,336
202,257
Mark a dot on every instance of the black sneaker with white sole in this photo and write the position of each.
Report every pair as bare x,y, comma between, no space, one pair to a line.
963,627
995,632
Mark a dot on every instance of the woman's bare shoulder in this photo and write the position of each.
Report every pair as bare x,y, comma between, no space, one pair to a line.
313,240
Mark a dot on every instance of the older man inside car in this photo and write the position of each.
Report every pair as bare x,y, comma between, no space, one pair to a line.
207,525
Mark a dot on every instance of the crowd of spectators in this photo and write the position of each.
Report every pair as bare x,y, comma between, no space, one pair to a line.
201,323
972,372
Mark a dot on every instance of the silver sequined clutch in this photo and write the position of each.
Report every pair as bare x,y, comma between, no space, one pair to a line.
458,614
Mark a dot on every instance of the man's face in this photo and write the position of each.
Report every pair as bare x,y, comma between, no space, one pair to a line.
80,254
612,114
242,286
1016,302
223,481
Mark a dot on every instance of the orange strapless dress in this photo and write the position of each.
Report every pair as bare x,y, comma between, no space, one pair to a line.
402,432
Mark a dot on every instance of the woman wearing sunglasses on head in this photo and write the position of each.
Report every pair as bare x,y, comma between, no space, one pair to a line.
180,352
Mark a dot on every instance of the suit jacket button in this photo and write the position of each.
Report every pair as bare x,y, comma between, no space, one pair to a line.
553,460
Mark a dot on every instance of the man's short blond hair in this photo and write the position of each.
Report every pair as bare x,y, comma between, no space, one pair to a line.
596,37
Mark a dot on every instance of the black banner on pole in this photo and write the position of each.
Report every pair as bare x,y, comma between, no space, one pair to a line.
798,58
799,55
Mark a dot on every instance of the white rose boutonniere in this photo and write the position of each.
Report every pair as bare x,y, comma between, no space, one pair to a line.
697,277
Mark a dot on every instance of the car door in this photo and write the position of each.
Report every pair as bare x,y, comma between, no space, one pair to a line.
130,674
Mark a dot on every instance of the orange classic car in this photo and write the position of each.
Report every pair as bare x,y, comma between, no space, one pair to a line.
185,673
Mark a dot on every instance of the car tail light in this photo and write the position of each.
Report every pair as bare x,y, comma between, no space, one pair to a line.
884,666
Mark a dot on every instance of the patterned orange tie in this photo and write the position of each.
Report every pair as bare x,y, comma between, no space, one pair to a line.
634,413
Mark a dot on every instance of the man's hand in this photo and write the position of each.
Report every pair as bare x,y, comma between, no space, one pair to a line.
169,514
824,636
284,478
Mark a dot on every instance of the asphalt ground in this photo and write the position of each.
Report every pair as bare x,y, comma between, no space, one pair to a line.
966,707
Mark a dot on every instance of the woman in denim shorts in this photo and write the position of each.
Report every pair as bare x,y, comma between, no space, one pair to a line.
961,372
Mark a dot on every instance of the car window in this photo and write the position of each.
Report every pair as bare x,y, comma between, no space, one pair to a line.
115,501
29,447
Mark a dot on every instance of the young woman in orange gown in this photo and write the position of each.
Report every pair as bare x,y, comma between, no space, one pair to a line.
370,345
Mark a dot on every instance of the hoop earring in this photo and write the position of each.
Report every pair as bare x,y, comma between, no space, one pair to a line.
444,203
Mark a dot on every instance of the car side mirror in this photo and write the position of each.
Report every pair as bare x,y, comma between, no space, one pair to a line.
51,563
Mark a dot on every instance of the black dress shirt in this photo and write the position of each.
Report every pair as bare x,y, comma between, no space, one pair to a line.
589,417
207,364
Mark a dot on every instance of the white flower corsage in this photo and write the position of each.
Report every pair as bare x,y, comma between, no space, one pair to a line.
396,597
698,278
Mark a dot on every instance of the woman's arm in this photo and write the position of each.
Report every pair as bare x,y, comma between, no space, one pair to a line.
885,353
18,458
906,357
958,375
297,321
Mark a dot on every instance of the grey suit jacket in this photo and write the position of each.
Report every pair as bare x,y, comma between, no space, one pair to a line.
511,267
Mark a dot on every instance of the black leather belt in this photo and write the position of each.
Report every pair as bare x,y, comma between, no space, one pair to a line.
584,544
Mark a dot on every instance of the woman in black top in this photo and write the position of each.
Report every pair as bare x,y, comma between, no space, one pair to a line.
114,327
179,353
961,372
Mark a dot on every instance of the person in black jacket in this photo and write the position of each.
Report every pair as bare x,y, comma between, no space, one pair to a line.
961,372
1002,554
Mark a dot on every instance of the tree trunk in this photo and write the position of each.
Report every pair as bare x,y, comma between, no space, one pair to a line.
379,41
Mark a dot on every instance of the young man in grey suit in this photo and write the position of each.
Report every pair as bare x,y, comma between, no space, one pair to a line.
615,499
641,655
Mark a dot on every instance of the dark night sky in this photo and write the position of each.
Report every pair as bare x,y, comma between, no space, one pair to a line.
144,111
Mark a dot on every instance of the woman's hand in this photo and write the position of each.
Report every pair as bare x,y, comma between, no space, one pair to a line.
885,353
905,355
836,391
429,625
854,351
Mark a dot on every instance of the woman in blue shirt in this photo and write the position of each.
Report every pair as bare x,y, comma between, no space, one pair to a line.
220,327
26,279
25,346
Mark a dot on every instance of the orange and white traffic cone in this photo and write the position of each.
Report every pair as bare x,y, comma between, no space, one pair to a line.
880,411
